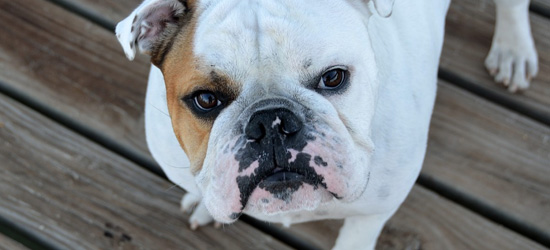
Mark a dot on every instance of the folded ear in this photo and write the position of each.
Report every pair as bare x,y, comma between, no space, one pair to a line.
384,7
148,25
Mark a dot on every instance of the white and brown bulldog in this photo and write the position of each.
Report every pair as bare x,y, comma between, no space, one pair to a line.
299,110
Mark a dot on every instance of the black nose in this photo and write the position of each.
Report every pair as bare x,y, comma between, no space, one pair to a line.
272,122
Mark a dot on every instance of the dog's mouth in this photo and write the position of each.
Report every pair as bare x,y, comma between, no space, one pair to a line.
282,183
280,175
273,181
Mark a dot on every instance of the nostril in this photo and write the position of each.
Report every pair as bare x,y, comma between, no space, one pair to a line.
272,122
255,130
291,126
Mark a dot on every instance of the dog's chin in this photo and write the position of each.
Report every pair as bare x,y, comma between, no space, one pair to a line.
279,198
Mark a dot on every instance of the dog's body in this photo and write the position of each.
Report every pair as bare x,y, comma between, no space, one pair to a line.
292,111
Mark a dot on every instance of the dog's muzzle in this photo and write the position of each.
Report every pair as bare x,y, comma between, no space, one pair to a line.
271,133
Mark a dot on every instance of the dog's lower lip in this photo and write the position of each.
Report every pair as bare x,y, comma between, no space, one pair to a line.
284,176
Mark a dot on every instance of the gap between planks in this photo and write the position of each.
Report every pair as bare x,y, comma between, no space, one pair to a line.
541,8
455,79
490,213
493,96
58,205
537,7
485,231
13,237
92,135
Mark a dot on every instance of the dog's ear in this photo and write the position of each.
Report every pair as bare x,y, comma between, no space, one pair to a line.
384,7
148,25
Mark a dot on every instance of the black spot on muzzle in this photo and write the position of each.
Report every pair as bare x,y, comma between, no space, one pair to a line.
269,134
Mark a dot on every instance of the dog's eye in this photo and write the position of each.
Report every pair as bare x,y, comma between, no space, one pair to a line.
206,100
332,79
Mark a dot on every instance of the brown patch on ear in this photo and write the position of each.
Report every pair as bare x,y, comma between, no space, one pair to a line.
166,39
184,74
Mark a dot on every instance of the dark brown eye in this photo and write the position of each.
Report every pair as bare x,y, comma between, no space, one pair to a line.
206,100
332,79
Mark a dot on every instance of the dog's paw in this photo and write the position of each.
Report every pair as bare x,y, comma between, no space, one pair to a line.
512,64
512,59
192,204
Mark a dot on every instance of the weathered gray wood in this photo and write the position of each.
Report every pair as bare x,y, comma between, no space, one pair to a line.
113,11
469,22
497,156
7,243
72,66
468,37
78,69
542,3
480,149
74,194
426,221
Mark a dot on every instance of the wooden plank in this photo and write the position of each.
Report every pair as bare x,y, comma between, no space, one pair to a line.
72,66
469,31
470,25
115,11
545,4
22,76
496,156
112,11
426,221
7,243
73,194
468,37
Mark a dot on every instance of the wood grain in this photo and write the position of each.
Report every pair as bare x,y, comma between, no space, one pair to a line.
7,243
78,70
87,196
74,67
542,3
112,11
76,195
480,149
497,156
115,11
469,32
426,214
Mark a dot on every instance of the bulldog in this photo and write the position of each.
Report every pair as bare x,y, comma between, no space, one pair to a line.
299,110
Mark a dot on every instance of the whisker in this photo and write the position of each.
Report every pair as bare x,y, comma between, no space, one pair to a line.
158,109
170,188
174,166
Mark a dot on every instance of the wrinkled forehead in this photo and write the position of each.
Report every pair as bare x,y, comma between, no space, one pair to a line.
245,38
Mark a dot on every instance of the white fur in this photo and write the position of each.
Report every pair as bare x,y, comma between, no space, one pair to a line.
263,46
384,7
165,148
513,58
140,28
383,117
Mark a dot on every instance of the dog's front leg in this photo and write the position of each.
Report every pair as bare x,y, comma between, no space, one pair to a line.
361,232
512,59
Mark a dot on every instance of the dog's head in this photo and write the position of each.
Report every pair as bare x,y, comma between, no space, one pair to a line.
272,101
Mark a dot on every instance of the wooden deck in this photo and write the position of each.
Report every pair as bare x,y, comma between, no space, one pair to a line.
75,172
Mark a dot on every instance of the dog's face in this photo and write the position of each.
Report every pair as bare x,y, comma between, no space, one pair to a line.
272,101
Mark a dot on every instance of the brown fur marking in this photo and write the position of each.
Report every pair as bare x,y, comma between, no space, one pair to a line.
183,75
164,43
